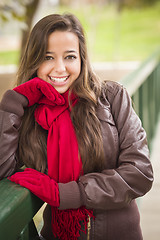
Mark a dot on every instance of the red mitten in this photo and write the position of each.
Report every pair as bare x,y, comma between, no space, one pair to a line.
39,184
34,90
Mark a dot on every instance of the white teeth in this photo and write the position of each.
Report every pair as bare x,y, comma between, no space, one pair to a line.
62,79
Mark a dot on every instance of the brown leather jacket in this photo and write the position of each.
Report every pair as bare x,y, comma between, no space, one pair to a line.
111,193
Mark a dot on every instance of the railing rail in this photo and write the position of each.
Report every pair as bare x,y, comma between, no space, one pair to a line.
17,209
18,206
143,85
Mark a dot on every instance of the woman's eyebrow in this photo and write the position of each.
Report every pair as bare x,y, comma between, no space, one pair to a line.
68,51
71,51
48,52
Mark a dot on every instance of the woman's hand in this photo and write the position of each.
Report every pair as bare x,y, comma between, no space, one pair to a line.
39,184
36,88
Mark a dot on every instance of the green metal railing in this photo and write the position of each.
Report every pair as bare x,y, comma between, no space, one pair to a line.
17,209
143,85
18,206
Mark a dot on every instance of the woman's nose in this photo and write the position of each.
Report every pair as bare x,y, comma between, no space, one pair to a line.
59,66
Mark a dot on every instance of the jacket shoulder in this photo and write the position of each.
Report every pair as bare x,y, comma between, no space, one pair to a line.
110,89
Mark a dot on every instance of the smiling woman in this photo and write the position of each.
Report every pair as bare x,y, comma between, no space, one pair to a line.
83,145
62,63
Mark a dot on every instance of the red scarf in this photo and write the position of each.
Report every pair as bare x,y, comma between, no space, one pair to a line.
64,163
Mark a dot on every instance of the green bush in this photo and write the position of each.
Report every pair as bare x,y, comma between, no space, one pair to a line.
9,57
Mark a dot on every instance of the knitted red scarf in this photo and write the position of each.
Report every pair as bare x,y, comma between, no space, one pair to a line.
64,164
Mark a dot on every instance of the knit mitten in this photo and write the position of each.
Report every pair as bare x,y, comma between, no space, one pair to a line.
36,88
39,184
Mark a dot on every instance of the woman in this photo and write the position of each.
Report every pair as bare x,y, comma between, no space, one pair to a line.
82,143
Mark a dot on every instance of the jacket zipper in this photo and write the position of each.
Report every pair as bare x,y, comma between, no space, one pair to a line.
88,227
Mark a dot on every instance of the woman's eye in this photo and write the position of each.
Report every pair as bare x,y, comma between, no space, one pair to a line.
48,58
71,57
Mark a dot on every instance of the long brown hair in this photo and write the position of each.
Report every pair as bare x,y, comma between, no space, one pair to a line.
32,142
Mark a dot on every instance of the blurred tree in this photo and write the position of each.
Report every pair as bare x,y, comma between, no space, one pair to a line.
119,4
20,10
10,9
65,2
31,8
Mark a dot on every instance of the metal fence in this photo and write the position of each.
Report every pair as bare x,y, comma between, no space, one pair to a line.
143,85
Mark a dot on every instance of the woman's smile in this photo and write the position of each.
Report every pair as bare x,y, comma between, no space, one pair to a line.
58,80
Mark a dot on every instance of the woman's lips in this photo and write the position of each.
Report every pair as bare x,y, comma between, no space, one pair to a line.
58,80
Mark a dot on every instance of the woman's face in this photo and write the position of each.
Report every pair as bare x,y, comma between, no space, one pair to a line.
62,63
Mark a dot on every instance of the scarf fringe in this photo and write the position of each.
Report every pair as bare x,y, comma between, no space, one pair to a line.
67,224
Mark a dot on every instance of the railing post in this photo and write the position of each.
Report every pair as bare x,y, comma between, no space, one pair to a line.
29,232
17,209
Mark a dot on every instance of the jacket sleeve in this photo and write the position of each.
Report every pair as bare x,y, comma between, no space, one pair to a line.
11,111
133,177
